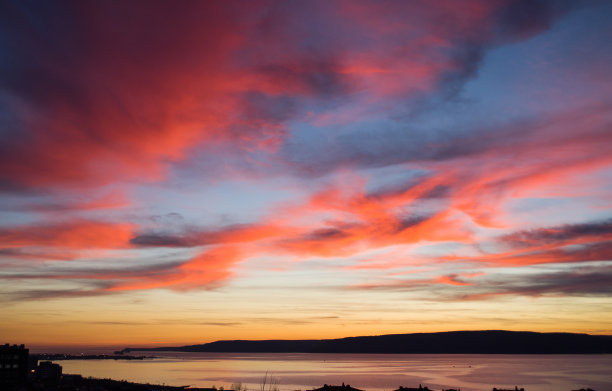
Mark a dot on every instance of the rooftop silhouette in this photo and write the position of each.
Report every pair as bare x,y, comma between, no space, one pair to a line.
343,387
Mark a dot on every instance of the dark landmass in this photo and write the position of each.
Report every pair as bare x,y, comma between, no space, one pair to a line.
80,383
61,356
465,342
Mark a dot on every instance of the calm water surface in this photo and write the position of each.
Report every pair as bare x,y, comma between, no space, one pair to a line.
371,372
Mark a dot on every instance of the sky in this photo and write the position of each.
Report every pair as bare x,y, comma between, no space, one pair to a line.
183,172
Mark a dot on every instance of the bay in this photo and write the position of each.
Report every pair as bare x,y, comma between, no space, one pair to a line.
371,372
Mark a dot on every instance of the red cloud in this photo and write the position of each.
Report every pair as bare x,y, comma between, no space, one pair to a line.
117,101
71,235
120,91
452,279
207,270
349,220
116,93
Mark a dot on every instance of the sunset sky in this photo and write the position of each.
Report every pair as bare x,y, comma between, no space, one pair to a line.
183,172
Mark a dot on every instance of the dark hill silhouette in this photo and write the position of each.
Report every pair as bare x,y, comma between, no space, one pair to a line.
475,342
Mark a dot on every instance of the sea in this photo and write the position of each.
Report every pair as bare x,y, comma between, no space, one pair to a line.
370,372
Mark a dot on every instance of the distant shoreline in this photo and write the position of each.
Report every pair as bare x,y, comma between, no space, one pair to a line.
62,356
454,342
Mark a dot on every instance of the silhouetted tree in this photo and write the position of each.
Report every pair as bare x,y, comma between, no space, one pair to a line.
238,386
269,383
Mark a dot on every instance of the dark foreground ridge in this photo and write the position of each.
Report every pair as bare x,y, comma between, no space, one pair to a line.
467,342
79,383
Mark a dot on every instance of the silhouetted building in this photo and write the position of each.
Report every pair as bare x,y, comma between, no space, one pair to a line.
343,387
71,379
32,364
13,364
508,389
421,388
49,372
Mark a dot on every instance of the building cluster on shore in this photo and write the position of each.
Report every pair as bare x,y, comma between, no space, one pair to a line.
20,371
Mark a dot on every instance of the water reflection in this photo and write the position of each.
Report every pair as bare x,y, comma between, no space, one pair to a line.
367,371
